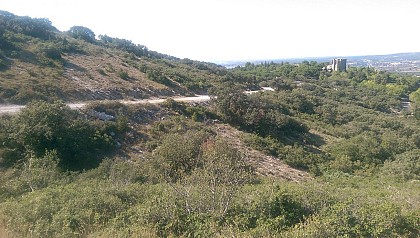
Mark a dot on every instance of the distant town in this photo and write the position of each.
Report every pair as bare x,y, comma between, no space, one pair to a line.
403,62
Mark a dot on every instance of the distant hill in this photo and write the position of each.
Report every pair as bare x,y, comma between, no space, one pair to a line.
37,61
401,62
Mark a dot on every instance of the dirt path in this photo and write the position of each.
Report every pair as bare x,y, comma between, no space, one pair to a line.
197,98
264,164
10,108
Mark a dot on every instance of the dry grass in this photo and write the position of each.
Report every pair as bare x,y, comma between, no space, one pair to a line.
4,233
263,164
78,77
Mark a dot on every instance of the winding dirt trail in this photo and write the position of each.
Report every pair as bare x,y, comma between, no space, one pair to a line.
198,98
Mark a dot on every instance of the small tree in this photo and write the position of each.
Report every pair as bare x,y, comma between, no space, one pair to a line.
231,103
205,194
415,98
40,172
43,127
179,154
123,74
83,33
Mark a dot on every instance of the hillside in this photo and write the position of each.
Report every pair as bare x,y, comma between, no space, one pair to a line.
322,154
39,62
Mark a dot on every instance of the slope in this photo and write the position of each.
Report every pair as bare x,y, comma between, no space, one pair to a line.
37,62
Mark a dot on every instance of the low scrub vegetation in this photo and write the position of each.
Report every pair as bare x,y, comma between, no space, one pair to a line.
196,170
191,182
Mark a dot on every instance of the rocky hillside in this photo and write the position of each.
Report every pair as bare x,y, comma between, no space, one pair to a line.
39,62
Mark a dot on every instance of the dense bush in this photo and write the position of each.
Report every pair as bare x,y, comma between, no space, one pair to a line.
405,167
42,127
35,27
51,50
205,191
179,153
83,33
264,117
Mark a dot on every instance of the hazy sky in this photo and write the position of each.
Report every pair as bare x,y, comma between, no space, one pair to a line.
217,30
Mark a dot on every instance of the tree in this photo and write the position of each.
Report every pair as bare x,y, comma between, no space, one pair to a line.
179,154
206,194
40,172
224,172
35,27
415,98
83,33
42,127
405,167
231,103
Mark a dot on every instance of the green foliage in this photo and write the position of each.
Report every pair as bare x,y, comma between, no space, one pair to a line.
43,127
217,198
27,93
405,166
173,177
283,71
83,33
126,45
102,72
3,61
51,50
266,118
40,172
202,198
391,83
415,98
266,213
368,219
231,103
268,145
123,74
37,126
72,211
158,77
35,27
197,113
179,153
301,158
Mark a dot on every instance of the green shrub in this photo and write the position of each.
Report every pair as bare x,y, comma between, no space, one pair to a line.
201,199
42,127
268,145
360,219
405,167
123,74
73,210
179,153
51,50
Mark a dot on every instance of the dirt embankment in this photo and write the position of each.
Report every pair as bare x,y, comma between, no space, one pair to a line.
263,164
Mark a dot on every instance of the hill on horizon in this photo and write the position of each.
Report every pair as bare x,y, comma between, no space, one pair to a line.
408,62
